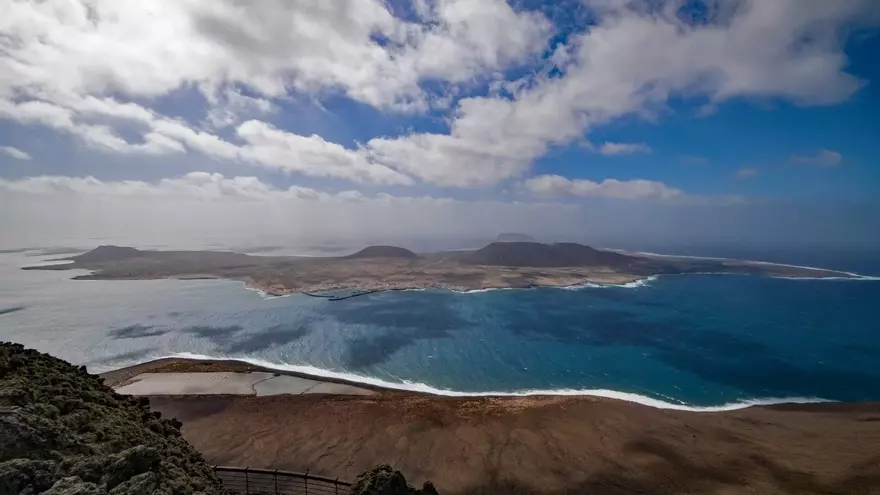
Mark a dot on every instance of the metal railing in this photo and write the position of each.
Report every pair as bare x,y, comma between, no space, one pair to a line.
250,481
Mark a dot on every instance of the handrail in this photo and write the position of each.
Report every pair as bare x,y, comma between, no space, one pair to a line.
247,480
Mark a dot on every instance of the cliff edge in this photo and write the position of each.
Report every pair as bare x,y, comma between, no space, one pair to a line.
62,431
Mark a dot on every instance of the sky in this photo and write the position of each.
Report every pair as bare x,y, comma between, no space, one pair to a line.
609,121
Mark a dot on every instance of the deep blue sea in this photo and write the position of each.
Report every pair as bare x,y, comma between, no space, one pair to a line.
676,341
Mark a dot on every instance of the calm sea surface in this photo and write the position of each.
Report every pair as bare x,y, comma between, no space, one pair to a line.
688,341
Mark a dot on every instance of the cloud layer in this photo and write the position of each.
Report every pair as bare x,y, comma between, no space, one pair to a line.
92,70
639,189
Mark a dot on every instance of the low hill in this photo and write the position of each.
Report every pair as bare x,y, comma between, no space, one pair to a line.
514,237
545,255
384,252
108,253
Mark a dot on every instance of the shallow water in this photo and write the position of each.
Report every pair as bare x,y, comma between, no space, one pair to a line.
693,341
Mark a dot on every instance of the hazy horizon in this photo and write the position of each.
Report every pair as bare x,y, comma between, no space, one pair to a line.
615,123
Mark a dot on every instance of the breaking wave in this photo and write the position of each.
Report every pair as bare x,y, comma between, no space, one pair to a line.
419,387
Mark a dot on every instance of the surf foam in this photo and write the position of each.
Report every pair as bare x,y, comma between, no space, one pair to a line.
410,386
856,276
629,285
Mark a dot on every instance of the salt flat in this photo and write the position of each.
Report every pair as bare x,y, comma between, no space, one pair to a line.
231,383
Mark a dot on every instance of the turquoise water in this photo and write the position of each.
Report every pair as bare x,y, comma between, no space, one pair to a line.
699,340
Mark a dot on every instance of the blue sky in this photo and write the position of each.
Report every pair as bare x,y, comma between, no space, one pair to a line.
478,111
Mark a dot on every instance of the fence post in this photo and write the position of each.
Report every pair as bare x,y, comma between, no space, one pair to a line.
275,475
336,485
307,481
247,484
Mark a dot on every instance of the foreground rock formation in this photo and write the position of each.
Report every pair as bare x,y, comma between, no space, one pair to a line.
383,480
62,431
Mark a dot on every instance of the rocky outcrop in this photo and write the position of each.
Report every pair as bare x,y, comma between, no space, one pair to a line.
62,431
383,480
534,254
108,253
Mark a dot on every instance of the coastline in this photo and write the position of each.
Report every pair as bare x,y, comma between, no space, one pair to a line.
545,443
386,268
364,289
192,363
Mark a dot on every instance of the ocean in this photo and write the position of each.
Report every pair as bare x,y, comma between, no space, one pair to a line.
699,342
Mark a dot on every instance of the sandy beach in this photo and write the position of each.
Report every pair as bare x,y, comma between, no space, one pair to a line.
540,444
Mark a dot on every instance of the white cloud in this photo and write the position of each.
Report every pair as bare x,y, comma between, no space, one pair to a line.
62,58
638,189
631,63
71,65
264,145
311,155
15,153
206,186
356,46
231,107
194,185
614,149
746,172
822,158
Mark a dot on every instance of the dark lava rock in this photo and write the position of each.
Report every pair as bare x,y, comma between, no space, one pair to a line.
109,253
62,431
383,480
384,252
535,254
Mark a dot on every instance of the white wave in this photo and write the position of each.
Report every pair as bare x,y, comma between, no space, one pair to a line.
419,387
635,284
855,277
586,285
265,295
51,263
490,289
852,276
639,283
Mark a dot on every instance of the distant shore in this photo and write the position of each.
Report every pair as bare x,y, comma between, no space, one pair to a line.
388,268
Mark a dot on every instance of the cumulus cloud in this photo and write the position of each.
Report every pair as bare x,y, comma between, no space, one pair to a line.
638,189
214,186
15,153
631,62
311,155
358,47
90,68
66,63
194,185
613,149
822,158
230,107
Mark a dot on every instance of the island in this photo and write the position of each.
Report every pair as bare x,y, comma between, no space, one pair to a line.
377,268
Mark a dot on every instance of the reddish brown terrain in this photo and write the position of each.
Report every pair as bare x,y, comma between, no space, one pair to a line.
544,444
